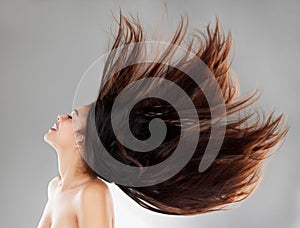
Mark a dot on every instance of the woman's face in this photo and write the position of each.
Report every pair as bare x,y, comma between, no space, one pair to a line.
68,131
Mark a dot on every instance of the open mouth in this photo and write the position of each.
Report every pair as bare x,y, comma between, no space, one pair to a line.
54,127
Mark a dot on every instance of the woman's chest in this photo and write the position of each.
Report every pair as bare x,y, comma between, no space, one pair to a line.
63,211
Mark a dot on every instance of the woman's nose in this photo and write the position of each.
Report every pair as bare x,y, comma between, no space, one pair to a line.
59,117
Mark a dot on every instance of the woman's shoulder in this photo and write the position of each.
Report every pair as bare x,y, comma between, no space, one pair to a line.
52,185
94,187
94,203
96,194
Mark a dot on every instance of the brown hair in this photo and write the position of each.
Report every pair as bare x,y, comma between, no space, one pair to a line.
236,171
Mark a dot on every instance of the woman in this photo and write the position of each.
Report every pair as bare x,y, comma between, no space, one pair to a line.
234,173
76,198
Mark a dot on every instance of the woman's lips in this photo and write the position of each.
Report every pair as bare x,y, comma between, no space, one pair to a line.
54,127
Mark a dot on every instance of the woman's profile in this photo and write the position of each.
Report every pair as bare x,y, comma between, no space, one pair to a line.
79,197
76,198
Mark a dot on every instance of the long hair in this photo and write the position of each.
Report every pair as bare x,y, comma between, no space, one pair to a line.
236,171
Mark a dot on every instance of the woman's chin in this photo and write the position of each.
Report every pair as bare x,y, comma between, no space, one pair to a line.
47,137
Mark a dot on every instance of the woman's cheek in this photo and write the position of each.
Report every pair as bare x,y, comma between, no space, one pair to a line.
76,125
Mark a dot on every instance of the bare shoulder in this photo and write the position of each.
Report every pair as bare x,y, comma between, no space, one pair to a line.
95,189
95,205
52,185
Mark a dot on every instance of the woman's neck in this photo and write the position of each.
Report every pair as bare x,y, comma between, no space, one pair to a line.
71,171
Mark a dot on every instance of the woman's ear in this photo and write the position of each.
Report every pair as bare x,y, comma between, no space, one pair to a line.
79,140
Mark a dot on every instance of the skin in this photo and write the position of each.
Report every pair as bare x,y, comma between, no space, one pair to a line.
75,199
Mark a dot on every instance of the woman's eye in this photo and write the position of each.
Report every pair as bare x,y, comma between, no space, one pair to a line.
70,117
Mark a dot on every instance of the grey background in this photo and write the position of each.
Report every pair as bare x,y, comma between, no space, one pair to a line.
46,46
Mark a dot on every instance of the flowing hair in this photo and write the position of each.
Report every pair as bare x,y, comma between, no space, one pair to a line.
236,171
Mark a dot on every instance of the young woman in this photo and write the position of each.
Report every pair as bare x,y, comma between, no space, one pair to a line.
78,199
